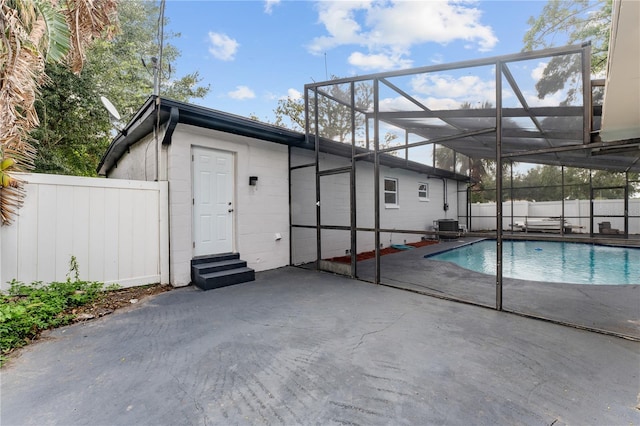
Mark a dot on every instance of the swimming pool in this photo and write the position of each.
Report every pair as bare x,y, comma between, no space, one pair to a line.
574,263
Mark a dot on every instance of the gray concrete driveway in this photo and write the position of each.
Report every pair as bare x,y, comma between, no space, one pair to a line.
301,347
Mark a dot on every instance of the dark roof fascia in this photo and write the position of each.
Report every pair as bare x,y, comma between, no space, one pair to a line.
217,120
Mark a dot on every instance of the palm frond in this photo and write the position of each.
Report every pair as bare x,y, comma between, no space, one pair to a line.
57,40
32,32
88,19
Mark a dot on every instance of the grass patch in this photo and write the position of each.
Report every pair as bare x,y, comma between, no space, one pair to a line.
27,310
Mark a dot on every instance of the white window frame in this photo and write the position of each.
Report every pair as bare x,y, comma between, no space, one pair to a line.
425,197
396,193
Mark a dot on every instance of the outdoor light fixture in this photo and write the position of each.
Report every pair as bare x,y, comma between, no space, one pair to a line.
253,180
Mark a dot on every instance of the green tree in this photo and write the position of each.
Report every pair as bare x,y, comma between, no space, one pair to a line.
117,63
334,118
75,129
544,183
290,114
481,171
570,22
446,158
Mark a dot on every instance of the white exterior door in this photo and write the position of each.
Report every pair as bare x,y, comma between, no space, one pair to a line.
213,180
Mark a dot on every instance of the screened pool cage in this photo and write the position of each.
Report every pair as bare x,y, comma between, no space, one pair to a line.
398,157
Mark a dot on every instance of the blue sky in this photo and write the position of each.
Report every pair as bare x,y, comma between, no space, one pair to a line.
253,53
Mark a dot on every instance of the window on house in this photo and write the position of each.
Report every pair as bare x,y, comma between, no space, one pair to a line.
423,191
390,192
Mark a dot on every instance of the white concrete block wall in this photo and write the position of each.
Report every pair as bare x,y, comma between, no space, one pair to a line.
335,196
303,190
261,211
412,213
303,241
140,162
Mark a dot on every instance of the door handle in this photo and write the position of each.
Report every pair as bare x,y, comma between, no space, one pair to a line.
230,210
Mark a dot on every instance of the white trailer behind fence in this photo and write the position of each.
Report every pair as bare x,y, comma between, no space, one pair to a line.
117,230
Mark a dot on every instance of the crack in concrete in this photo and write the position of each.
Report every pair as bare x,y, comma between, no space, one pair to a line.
388,326
196,401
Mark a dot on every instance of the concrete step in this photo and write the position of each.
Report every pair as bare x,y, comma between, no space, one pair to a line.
223,265
214,258
224,278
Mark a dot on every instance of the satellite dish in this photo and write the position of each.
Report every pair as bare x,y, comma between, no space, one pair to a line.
113,112
114,115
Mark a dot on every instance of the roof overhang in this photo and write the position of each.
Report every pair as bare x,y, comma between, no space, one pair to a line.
158,112
621,112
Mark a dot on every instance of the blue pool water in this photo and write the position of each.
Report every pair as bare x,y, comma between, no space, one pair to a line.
574,263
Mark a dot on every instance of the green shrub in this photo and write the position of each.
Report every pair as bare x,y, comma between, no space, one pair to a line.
27,310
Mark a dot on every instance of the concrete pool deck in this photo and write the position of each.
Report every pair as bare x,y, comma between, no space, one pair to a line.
614,309
303,347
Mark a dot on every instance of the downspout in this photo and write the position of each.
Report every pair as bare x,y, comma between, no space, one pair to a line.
445,204
171,125
166,140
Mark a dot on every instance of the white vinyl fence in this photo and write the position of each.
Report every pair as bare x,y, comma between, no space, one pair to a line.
576,212
116,229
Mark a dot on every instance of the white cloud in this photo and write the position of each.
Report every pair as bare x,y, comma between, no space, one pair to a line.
441,103
437,58
537,72
270,96
339,21
406,23
443,92
553,99
222,46
399,103
402,104
469,88
391,28
379,61
269,5
293,94
241,93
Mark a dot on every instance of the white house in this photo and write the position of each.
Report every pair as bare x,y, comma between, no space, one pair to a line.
234,186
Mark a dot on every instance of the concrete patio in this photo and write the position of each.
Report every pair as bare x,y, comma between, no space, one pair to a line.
302,347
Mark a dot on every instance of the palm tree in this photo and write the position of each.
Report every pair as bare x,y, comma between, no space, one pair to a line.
33,32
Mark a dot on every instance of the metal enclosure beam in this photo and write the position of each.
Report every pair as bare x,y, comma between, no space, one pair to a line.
499,185
352,192
376,175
